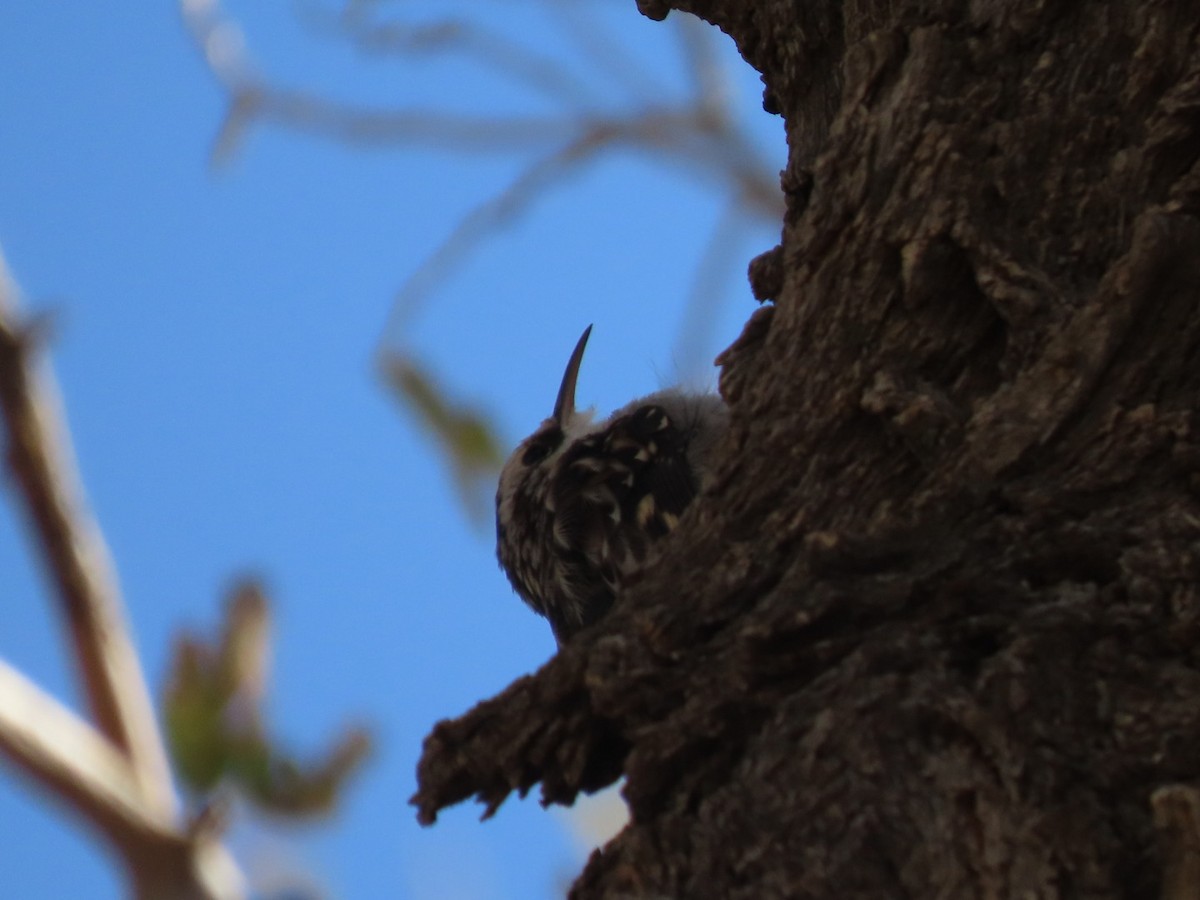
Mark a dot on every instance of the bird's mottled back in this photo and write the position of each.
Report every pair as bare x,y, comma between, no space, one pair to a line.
582,505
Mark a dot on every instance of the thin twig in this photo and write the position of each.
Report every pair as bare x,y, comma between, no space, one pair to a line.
710,87
483,219
653,130
251,99
699,131
461,133
704,295
488,48
605,53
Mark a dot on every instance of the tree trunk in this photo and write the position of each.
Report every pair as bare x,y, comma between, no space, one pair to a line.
934,631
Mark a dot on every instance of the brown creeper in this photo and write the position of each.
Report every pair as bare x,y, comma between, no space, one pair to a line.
583,505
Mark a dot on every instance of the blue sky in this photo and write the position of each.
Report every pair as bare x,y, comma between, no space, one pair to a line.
215,332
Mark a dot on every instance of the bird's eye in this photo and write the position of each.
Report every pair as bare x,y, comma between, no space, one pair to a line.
535,453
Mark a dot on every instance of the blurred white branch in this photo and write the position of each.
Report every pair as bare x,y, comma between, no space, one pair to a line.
67,755
114,774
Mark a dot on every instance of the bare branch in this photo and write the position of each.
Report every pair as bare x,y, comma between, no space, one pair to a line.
116,778
699,130
77,560
452,36
88,774
250,98
67,756
462,133
656,129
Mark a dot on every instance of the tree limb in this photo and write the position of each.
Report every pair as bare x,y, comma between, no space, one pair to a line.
67,756
77,560
116,777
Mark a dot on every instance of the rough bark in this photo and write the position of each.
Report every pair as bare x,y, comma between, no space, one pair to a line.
933,633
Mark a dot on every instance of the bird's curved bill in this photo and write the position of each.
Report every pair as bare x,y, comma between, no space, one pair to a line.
564,406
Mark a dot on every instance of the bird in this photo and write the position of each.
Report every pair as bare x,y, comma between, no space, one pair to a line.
582,505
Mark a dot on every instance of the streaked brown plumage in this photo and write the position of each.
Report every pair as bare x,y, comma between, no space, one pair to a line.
582,505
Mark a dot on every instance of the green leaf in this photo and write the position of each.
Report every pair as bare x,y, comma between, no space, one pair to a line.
466,437
215,729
